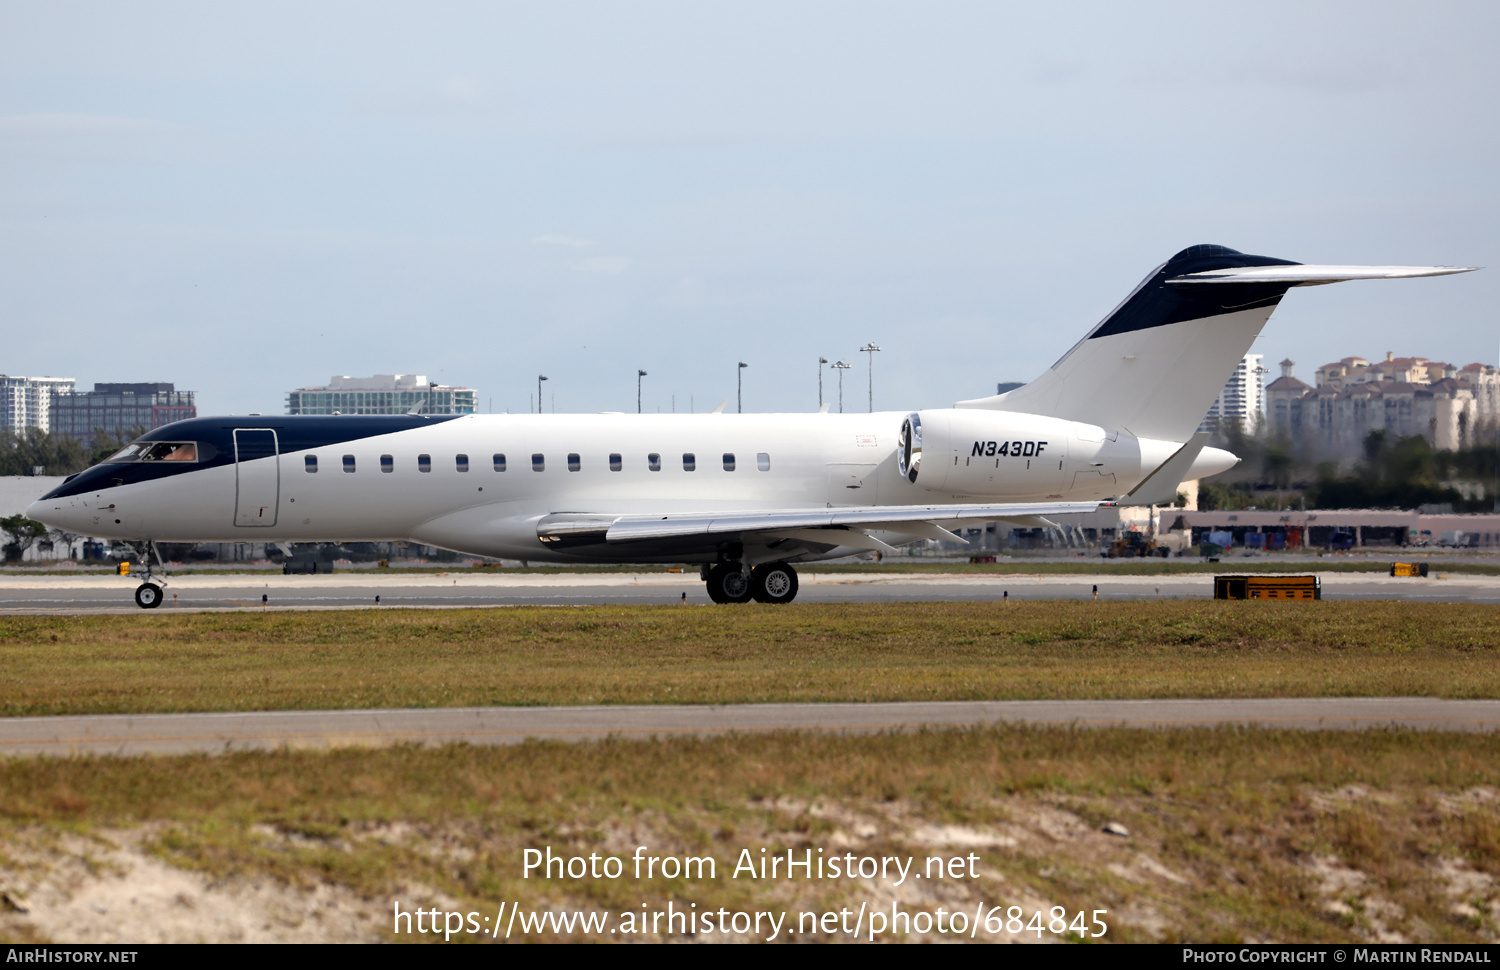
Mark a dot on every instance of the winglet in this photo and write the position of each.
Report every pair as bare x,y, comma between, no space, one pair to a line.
1160,487
719,408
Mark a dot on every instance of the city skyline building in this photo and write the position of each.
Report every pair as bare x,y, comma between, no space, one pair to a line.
26,402
1242,402
120,409
381,394
1451,407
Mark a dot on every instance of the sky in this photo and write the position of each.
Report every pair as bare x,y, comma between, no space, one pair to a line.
246,198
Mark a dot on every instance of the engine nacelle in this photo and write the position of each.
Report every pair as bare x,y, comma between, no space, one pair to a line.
1007,454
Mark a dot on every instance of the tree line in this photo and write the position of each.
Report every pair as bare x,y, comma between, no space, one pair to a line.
1391,472
26,449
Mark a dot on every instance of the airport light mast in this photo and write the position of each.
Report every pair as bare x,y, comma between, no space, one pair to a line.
638,375
821,362
840,366
871,349
740,387
539,379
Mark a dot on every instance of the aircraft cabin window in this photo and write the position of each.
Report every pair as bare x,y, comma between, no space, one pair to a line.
424,463
728,461
349,464
538,463
653,462
387,464
573,462
499,463
311,462
763,462
689,461
615,463
461,462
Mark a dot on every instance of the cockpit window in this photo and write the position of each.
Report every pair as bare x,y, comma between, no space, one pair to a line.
130,452
157,451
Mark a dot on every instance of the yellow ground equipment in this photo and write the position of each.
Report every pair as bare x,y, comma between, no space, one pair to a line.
1408,569
1268,588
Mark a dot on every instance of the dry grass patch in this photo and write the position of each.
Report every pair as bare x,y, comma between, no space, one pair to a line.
1233,834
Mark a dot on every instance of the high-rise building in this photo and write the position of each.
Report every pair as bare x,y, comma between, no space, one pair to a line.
381,394
26,402
1243,400
120,410
1451,407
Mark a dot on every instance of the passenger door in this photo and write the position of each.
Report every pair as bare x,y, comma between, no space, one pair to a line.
257,477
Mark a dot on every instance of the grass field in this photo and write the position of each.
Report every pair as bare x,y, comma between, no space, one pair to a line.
812,652
1233,835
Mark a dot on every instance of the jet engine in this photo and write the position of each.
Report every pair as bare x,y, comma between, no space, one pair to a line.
1009,454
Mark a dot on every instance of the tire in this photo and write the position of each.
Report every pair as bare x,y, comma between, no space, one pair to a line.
726,584
774,583
148,596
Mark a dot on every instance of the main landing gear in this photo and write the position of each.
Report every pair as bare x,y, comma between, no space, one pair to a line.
731,582
149,594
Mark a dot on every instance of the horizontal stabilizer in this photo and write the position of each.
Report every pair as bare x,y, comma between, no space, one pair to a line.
1300,275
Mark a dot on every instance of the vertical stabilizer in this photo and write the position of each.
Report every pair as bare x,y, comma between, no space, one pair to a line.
1155,364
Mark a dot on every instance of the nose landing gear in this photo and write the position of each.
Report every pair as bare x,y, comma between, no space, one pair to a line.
148,595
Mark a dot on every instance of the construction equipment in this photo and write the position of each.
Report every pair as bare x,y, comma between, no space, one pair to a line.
1135,545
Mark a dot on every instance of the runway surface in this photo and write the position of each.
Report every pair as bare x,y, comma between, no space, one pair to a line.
472,588
133,734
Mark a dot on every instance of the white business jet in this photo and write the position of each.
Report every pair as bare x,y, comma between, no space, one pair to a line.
745,497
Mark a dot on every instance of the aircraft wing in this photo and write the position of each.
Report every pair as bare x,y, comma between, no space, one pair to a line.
834,525
1297,274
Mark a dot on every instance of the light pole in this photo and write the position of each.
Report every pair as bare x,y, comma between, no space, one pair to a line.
740,387
539,379
871,349
638,375
840,366
821,362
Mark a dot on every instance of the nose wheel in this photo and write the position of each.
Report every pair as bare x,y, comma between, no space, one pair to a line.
148,596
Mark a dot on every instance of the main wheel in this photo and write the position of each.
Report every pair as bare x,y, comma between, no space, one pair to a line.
148,596
727,584
774,583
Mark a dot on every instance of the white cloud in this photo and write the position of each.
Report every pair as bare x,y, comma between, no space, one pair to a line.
558,239
613,265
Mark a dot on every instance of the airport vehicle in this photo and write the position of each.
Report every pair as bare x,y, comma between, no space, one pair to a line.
1268,588
1134,545
1408,569
745,497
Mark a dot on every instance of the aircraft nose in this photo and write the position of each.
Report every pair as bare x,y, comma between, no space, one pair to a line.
47,513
